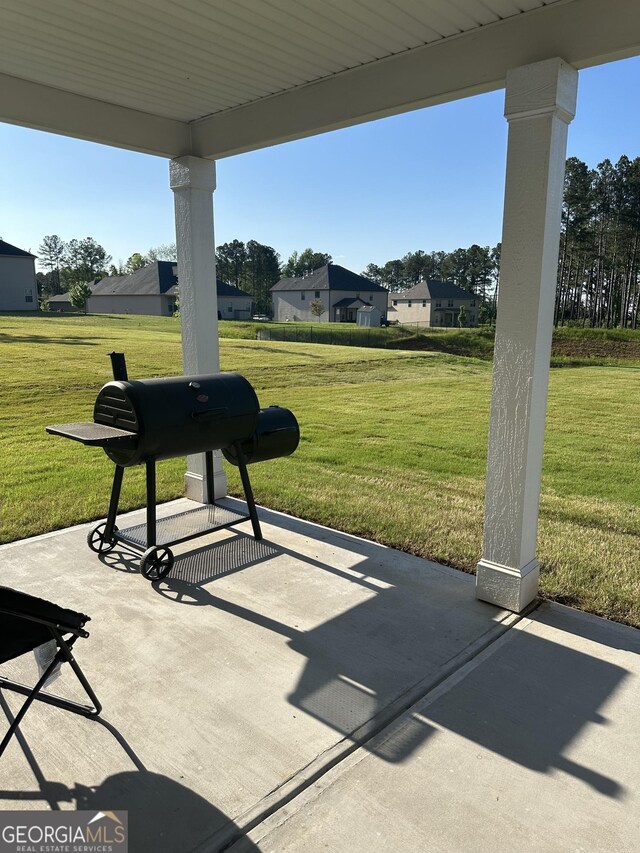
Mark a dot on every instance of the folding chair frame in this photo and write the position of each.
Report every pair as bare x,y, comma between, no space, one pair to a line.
63,655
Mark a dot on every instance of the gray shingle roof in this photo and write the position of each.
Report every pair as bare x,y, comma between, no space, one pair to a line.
14,251
152,280
347,302
330,277
367,309
156,278
224,289
433,289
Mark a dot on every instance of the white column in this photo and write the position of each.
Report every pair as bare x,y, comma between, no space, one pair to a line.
539,104
193,181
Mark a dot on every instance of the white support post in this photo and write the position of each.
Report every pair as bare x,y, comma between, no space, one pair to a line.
539,105
193,181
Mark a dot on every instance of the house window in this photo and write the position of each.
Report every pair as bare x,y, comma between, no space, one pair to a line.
473,303
317,294
438,304
370,297
303,295
424,303
230,308
172,308
472,318
394,301
409,304
28,295
450,303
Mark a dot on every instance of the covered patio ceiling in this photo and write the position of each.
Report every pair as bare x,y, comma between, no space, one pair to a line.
211,78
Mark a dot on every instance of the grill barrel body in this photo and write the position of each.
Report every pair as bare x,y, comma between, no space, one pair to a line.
177,415
276,434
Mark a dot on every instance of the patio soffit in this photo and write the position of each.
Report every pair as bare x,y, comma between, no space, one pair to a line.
214,78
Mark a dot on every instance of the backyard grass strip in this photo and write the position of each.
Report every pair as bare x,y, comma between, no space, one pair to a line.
393,447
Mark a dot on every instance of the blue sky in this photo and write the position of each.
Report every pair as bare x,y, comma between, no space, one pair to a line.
431,179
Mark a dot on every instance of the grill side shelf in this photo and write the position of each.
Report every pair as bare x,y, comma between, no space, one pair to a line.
94,435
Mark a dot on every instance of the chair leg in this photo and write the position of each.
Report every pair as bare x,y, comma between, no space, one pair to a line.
97,706
64,655
31,696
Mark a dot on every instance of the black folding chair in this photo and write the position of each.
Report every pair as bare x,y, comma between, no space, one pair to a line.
27,622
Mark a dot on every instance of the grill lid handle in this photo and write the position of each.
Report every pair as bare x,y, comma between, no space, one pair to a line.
210,414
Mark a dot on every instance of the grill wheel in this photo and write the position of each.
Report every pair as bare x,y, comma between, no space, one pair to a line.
97,542
156,563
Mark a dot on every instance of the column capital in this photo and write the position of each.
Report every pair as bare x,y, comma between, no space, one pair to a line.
543,88
194,173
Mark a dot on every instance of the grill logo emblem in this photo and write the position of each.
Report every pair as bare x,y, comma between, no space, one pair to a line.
202,398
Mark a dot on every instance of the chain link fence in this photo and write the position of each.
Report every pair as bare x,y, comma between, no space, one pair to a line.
334,333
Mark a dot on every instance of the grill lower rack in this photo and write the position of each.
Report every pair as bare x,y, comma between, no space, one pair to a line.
183,526
155,536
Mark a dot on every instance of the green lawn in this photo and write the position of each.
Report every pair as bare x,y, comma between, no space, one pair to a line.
572,347
393,446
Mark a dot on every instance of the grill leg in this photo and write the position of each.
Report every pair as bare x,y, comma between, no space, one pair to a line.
113,503
151,502
248,491
208,469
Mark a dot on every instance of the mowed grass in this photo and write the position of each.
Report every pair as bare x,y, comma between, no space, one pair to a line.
393,447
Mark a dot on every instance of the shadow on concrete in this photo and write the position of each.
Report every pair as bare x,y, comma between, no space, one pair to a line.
206,564
164,816
527,701
121,559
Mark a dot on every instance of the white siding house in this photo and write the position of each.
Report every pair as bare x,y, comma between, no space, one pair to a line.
433,303
340,291
18,287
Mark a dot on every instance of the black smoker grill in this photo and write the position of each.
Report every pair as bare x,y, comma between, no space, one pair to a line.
143,421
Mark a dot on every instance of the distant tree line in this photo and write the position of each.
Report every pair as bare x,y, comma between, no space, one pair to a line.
255,268
599,262
164,252
476,269
72,265
69,263
598,265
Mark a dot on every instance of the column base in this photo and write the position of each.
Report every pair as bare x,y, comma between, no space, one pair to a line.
195,486
512,589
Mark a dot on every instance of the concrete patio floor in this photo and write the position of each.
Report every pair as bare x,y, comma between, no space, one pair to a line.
317,691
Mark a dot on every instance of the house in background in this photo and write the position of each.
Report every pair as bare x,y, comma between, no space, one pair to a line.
152,290
433,303
61,304
340,291
18,286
